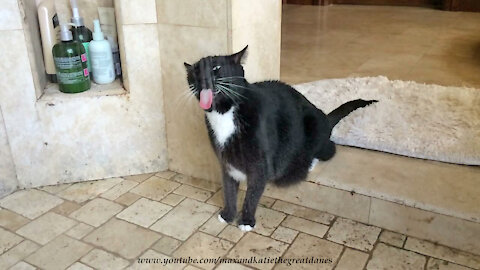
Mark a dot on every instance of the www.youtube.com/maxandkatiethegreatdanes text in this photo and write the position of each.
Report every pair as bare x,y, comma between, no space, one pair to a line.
251,260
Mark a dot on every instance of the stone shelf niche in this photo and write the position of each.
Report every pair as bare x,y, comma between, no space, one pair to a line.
89,11
47,137
108,131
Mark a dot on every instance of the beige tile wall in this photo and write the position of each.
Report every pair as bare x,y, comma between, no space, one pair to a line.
190,30
258,25
188,146
10,17
10,21
34,44
8,178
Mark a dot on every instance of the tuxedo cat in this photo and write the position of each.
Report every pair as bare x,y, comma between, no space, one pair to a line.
264,131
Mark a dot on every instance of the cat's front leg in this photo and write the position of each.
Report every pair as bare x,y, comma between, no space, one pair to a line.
255,189
230,191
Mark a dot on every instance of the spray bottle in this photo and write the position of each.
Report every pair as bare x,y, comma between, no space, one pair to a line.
80,32
70,63
103,71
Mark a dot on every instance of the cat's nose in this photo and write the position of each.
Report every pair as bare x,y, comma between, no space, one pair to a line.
207,83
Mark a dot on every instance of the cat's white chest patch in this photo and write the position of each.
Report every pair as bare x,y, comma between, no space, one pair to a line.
236,174
222,124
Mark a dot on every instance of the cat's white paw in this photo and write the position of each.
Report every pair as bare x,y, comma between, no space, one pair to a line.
312,166
221,219
245,228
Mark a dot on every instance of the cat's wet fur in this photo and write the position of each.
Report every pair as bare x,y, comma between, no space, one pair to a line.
261,132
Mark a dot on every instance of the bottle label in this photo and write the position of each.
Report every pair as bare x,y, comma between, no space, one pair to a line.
87,51
102,66
70,70
116,62
55,21
56,29
68,62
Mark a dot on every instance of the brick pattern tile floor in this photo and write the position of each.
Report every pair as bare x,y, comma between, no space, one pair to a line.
110,224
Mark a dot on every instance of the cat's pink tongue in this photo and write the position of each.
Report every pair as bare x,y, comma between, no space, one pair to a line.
206,99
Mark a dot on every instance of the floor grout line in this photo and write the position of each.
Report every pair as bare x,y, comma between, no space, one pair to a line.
272,207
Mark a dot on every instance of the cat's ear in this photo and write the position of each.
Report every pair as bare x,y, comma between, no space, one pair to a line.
238,57
188,67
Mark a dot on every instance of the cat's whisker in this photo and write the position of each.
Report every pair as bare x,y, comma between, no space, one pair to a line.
233,92
190,98
232,84
237,95
228,90
227,93
223,90
229,78
180,100
185,94
228,81
184,97
181,96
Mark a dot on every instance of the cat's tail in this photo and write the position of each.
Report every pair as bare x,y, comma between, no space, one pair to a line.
336,115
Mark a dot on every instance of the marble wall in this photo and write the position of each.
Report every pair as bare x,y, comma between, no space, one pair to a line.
10,21
8,178
66,138
58,138
192,29
258,25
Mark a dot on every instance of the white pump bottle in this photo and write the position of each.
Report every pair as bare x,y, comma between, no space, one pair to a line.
103,71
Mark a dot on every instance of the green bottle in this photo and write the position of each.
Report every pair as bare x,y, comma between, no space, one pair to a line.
70,63
80,32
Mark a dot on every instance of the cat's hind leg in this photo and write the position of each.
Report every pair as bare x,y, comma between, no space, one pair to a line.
327,151
296,171
230,191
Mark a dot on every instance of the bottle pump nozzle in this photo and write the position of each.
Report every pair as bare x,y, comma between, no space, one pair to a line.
76,19
65,33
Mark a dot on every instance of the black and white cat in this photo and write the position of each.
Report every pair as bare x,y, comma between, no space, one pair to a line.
265,131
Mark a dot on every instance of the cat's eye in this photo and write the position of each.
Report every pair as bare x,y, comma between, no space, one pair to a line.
216,68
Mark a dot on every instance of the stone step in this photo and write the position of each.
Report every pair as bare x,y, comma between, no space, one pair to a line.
430,200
